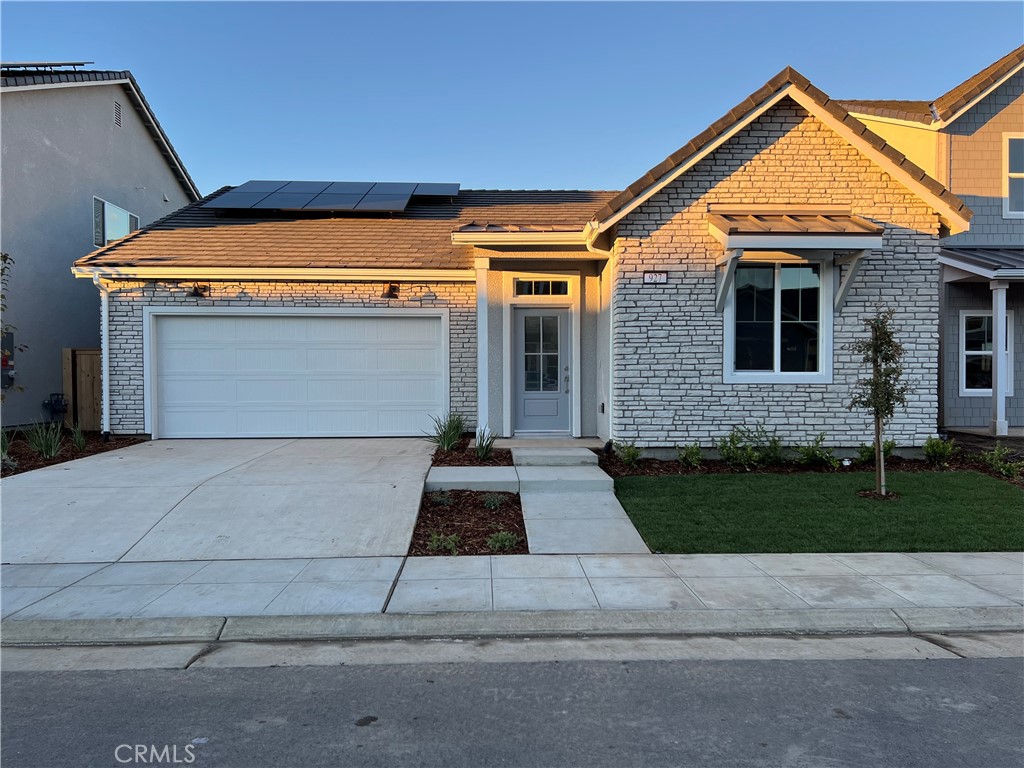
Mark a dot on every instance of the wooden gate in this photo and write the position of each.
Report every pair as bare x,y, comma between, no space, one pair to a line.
83,386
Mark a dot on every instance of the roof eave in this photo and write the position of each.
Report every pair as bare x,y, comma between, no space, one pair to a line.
520,238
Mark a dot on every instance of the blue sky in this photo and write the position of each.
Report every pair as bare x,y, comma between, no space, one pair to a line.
491,95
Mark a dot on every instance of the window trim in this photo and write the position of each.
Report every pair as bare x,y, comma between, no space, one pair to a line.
132,218
825,329
962,353
1007,213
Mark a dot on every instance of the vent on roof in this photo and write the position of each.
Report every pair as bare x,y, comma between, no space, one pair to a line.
117,113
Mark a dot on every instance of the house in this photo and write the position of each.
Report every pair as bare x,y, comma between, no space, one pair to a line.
971,139
721,288
85,161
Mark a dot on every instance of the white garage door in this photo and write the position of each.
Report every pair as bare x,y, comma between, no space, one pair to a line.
285,376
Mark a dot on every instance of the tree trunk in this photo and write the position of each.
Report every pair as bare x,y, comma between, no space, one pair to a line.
879,458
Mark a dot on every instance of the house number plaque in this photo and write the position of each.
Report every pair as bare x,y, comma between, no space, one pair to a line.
655,278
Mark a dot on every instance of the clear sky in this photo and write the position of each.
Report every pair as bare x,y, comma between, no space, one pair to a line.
491,95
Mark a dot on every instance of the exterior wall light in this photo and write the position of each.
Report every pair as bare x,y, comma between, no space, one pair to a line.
390,291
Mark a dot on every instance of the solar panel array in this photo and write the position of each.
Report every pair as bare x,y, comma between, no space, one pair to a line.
355,196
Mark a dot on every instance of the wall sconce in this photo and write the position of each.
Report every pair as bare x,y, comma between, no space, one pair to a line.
199,291
390,291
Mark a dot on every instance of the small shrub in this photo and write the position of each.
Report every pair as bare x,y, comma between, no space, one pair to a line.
816,454
628,453
441,543
866,453
999,461
502,541
441,498
493,501
748,449
78,438
690,456
938,452
6,438
46,438
484,443
448,430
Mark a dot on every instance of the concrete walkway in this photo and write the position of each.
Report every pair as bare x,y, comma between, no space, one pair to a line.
513,583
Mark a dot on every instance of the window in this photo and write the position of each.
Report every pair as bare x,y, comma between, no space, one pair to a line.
110,223
778,323
1013,183
976,354
541,287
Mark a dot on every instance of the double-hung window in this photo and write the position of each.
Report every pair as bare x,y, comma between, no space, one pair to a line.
977,350
778,323
1013,176
109,222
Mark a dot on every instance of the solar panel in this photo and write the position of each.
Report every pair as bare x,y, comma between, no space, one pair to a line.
390,202
436,190
331,202
358,196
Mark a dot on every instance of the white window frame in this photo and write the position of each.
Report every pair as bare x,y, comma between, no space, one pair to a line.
106,204
825,329
962,356
1007,213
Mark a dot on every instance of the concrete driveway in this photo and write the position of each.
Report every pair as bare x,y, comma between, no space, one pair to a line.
219,500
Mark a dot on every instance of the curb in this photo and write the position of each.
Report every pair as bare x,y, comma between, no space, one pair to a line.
378,626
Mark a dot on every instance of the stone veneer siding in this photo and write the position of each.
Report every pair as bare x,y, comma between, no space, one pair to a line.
127,300
668,383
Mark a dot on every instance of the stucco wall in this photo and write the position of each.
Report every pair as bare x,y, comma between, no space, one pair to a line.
976,147
977,411
668,381
60,148
127,299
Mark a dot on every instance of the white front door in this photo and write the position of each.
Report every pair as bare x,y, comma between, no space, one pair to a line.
270,375
542,368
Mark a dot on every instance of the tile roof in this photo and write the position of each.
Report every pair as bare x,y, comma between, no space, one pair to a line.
419,237
12,79
949,103
784,79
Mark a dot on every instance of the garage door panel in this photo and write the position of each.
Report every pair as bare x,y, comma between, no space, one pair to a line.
298,375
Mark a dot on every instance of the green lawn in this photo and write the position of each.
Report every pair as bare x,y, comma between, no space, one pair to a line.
812,512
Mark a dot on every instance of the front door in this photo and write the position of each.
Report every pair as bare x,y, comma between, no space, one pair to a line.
542,364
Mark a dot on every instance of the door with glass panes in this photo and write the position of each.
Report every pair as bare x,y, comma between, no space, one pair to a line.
541,363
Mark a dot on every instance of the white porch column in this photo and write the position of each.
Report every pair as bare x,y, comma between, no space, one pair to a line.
483,267
999,426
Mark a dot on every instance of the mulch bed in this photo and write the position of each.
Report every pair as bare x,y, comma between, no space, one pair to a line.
615,467
464,456
465,515
26,459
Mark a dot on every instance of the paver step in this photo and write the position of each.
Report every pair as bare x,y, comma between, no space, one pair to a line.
564,479
472,479
553,457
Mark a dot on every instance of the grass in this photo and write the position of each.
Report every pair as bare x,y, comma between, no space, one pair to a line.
812,512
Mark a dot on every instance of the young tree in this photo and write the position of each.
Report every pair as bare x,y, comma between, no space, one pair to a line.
885,389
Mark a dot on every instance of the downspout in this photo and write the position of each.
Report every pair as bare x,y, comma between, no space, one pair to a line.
104,355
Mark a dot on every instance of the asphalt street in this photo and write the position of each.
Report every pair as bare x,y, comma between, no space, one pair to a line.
820,713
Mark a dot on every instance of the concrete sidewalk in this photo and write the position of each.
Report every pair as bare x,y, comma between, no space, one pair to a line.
513,595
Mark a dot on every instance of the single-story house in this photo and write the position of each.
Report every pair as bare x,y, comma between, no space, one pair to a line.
722,288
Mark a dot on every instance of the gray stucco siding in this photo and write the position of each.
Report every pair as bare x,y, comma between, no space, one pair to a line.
127,300
61,148
668,384
977,411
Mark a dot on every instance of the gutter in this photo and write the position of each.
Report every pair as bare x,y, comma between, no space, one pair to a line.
297,274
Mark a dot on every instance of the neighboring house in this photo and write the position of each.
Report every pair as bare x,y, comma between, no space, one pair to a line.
972,140
721,288
84,163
